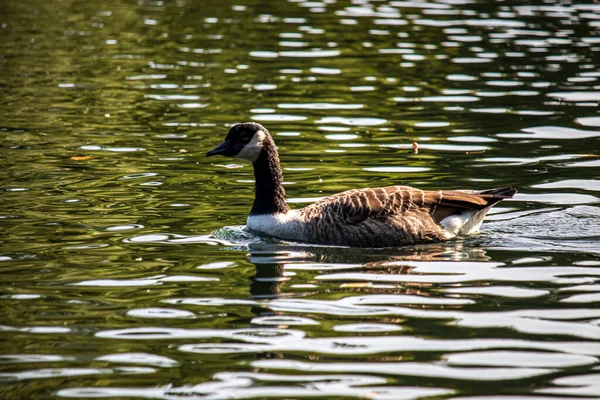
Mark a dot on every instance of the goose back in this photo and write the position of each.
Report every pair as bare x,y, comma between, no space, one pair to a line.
394,215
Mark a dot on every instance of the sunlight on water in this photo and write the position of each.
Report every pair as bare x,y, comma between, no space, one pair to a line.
128,272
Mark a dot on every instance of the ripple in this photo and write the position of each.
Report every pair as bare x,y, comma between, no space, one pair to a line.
341,136
217,265
461,78
112,149
36,329
118,228
251,385
293,43
71,372
283,320
388,344
585,184
410,369
172,97
453,147
504,83
576,96
320,106
261,336
165,238
438,99
352,121
150,281
224,348
278,117
500,291
315,53
466,38
558,198
579,385
583,298
192,105
264,86
99,392
432,124
496,22
552,132
325,71
139,358
396,169
210,301
144,77
271,336
154,333
23,296
167,313
264,54
495,110
520,358
472,139
31,358
588,121
390,21
471,60
367,328
585,164
457,272
363,88
524,161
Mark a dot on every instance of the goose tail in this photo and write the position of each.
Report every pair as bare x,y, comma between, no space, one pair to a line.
469,221
498,194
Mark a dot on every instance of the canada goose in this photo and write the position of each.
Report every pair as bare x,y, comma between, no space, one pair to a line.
376,217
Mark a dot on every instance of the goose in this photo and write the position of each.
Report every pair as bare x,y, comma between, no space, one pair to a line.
378,217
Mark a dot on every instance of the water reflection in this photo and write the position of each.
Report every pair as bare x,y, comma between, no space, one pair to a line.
267,281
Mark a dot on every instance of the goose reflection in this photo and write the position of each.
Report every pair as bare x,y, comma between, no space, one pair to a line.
273,262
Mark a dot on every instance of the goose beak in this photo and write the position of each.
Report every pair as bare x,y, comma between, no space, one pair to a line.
222,149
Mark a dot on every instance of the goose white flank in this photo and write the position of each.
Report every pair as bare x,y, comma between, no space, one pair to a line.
373,217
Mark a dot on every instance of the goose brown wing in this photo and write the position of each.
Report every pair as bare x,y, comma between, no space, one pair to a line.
355,206
358,205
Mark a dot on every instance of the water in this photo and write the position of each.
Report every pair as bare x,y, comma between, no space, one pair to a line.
126,272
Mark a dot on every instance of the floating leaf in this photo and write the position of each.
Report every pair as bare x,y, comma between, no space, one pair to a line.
81,158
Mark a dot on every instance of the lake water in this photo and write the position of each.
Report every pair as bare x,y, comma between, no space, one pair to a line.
126,271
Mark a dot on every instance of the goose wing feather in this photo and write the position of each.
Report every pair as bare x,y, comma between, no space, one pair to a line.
377,217
390,216
357,205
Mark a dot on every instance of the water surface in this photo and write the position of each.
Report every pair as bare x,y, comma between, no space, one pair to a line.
126,269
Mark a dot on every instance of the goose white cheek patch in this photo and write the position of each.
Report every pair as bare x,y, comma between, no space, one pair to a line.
251,151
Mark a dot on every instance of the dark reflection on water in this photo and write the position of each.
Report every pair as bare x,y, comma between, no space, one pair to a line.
126,272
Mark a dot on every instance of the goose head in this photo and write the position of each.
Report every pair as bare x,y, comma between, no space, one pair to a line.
245,141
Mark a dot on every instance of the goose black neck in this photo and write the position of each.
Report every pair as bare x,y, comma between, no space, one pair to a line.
270,194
